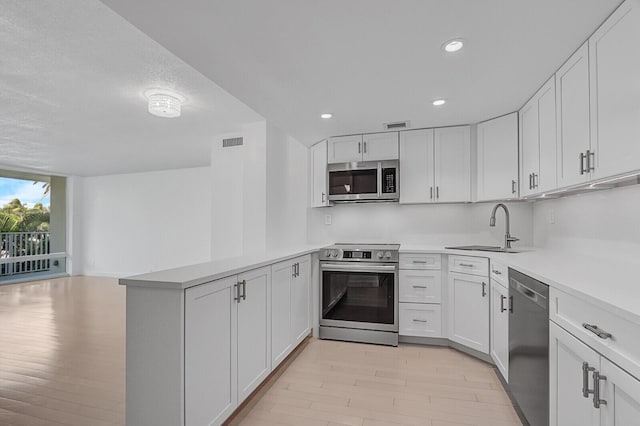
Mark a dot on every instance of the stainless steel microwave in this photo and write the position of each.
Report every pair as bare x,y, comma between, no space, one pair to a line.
364,181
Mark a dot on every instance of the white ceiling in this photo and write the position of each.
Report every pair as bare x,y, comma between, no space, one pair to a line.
72,74
371,61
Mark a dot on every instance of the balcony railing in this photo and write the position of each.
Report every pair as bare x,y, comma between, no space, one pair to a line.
20,252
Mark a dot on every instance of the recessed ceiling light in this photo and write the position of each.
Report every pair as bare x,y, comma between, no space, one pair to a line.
326,115
439,102
453,45
164,103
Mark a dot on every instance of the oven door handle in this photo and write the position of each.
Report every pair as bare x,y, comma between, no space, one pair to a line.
341,267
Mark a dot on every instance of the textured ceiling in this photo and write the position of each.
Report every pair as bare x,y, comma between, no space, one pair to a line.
72,74
371,61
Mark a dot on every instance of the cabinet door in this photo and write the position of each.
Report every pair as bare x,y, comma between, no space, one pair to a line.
319,175
254,331
529,143
622,393
500,328
210,352
380,146
420,286
453,164
301,301
498,158
547,138
345,149
469,311
568,406
281,310
416,166
572,112
615,67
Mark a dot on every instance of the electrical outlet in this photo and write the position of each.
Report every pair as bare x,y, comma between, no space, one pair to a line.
552,216
327,219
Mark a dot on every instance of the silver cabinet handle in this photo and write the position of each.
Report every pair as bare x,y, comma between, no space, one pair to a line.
365,146
495,271
419,286
323,195
530,180
467,265
502,299
484,286
585,379
424,262
431,193
437,192
236,287
535,175
419,320
590,156
359,147
297,269
293,270
581,157
244,289
510,304
513,186
596,389
597,331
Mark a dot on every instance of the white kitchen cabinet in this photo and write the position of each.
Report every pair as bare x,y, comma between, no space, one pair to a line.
567,355
290,307
254,330
420,319
435,165
210,352
615,109
452,165
500,328
420,286
380,146
370,147
469,310
538,141
497,160
622,393
572,114
319,196
416,166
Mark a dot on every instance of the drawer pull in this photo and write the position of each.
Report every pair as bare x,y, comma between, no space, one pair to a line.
419,320
484,291
467,265
420,261
596,390
502,299
597,331
495,271
585,379
419,286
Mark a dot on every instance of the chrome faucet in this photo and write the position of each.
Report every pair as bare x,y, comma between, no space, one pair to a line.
508,239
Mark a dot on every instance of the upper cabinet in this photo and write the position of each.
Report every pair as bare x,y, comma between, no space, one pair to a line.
435,165
572,113
615,93
538,141
371,147
497,159
319,196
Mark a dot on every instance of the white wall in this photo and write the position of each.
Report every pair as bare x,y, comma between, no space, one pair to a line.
439,224
591,223
135,223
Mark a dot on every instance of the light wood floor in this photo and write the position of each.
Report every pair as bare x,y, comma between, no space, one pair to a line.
62,361
62,352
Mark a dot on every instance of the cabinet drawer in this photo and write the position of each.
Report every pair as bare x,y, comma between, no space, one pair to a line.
420,286
420,261
623,347
416,319
499,273
469,265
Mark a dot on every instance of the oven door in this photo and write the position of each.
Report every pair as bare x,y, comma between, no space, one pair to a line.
359,295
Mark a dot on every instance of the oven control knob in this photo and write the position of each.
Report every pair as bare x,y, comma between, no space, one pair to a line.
327,253
387,255
335,253
380,255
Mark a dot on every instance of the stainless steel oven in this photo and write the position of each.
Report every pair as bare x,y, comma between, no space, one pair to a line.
364,181
359,293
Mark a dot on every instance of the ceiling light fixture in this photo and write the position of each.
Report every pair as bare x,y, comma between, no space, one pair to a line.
439,102
453,45
164,103
326,115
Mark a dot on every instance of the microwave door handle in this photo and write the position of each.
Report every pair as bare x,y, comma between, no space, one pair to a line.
379,180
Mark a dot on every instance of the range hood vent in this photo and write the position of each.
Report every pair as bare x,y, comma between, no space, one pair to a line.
232,142
397,125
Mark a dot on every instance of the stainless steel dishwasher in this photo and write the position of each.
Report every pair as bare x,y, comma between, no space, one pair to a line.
529,347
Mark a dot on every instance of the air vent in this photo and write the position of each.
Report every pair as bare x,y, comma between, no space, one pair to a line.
396,125
231,142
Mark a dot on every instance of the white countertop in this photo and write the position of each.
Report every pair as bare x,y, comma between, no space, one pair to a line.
192,275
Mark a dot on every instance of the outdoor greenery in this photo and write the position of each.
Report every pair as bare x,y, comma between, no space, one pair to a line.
18,217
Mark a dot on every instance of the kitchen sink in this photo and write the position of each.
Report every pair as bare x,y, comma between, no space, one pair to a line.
486,248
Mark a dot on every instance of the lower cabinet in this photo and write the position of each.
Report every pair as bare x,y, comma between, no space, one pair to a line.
500,328
420,319
290,307
227,344
469,310
586,389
